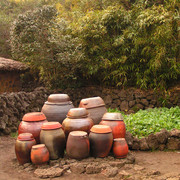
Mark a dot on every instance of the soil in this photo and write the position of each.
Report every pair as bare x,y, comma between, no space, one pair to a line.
148,165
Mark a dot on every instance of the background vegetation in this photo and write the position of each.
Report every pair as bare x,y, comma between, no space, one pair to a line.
109,42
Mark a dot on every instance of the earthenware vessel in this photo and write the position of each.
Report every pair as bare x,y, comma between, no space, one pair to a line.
52,135
95,106
23,146
120,148
77,120
101,140
31,123
39,154
78,146
115,121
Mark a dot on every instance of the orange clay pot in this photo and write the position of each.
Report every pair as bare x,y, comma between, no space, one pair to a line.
31,123
23,146
120,148
39,154
115,121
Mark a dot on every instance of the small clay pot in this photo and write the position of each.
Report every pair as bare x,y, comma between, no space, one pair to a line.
23,146
31,123
115,121
39,154
52,135
78,146
120,148
95,106
77,120
57,107
101,140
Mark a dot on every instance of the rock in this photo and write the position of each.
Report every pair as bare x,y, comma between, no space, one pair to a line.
152,142
49,172
110,172
136,145
132,103
53,162
175,133
162,147
130,159
143,144
77,168
144,102
138,168
122,94
138,100
173,143
26,165
123,174
129,139
124,106
93,168
7,131
139,106
130,112
116,164
162,136
154,172
108,99
2,123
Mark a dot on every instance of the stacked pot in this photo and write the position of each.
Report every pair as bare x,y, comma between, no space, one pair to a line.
87,130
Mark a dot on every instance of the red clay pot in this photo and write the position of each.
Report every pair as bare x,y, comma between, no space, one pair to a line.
95,106
115,121
77,120
52,135
31,123
23,146
120,148
101,140
39,154
78,146
57,107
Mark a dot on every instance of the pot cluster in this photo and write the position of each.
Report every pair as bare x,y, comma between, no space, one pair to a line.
83,131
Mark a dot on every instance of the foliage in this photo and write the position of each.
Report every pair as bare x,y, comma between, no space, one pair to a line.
145,122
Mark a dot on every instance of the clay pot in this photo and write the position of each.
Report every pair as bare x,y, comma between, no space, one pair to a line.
57,107
77,120
95,106
39,154
120,148
52,135
23,146
78,146
115,121
31,123
101,140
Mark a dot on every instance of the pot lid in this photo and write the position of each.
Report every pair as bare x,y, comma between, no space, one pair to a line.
25,137
38,146
101,129
58,98
51,125
78,133
77,113
91,102
34,116
119,139
112,116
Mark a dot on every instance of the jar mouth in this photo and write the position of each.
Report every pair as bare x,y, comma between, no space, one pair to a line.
119,139
38,146
51,126
77,117
78,133
25,137
58,104
112,119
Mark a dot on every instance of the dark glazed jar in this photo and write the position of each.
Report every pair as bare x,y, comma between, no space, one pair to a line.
120,148
78,146
95,106
77,120
115,121
101,140
31,123
23,146
57,107
52,135
39,154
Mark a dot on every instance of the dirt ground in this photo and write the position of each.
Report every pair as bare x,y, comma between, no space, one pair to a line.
148,165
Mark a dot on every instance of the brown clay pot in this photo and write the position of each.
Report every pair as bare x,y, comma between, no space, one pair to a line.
120,148
78,146
52,135
39,154
31,123
57,107
23,146
77,120
115,121
95,106
101,140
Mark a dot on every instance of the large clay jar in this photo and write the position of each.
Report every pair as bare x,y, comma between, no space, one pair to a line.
57,107
77,120
39,154
52,135
101,140
120,148
115,121
95,106
23,146
31,123
78,146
